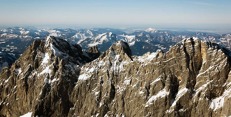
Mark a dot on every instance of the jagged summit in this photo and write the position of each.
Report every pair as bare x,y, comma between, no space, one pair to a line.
55,78
182,80
61,48
120,48
58,47
50,65
117,56
93,52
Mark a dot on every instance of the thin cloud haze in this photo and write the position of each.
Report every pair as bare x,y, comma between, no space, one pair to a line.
167,13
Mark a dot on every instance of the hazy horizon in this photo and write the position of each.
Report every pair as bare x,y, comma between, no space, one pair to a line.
178,14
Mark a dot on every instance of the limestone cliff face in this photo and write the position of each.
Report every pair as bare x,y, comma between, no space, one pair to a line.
191,79
53,78
41,80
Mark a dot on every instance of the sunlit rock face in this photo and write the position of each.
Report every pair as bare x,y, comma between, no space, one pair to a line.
54,78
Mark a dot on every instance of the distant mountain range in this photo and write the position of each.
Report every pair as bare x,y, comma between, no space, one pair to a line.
15,40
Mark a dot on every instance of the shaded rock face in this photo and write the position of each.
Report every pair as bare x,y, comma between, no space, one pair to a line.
6,60
53,78
93,52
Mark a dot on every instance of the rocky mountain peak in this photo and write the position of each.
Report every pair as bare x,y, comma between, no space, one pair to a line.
121,49
61,48
47,66
191,79
124,47
93,52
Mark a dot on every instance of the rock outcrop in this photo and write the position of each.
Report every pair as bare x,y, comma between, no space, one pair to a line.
93,52
42,79
53,78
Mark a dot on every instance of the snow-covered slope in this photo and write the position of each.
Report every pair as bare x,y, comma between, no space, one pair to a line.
15,40
103,37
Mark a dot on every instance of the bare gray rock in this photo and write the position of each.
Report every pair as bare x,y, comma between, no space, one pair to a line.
54,78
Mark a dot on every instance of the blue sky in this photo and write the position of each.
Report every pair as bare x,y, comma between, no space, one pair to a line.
117,13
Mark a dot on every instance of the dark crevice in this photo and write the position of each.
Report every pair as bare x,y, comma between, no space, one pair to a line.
193,46
174,87
187,57
105,108
112,93
147,89
27,74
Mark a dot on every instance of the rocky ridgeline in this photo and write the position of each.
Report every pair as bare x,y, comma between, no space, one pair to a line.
54,78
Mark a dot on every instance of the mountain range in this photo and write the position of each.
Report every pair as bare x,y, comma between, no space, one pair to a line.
54,77
14,41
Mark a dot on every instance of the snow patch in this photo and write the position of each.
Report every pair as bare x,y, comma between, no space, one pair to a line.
93,44
97,93
151,30
121,66
54,33
118,65
29,114
156,80
130,39
131,43
202,87
18,71
127,81
211,68
91,70
47,81
47,70
227,93
83,77
160,94
220,101
101,63
45,59
55,50
147,57
49,43
217,103
180,93
100,39
141,92
54,80
23,32
6,80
